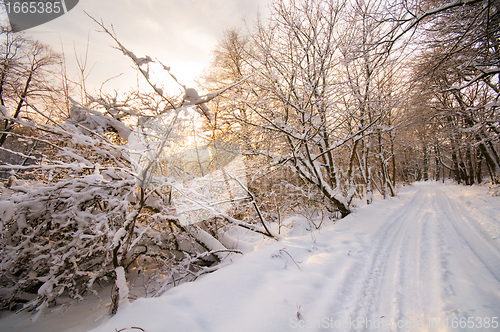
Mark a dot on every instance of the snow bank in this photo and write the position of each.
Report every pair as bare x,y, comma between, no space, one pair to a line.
406,260
392,261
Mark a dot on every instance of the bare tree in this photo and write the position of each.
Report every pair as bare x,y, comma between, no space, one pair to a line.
24,66
93,210
460,68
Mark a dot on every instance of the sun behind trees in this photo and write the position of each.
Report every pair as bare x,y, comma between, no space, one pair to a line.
329,102
323,98
86,211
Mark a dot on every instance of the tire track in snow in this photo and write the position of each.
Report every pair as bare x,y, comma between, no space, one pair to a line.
435,251
423,297
408,288
470,260
420,268
467,228
377,289
430,266
410,274
336,300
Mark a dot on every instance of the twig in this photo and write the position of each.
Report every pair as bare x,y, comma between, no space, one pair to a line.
286,252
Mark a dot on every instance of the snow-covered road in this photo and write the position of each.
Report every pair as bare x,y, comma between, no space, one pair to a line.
428,260
435,258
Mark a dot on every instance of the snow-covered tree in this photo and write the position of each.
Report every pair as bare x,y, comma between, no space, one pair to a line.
25,67
102,200
322,95
459,73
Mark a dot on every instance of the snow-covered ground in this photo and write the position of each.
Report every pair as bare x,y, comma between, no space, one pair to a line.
427,260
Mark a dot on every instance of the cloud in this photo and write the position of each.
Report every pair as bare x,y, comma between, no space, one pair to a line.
182,32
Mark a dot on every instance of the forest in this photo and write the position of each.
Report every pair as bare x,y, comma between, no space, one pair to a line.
314,110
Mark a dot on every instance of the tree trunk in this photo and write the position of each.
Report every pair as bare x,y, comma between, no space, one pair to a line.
9,124
426,162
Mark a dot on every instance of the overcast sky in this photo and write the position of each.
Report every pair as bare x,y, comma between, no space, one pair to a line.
181,33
